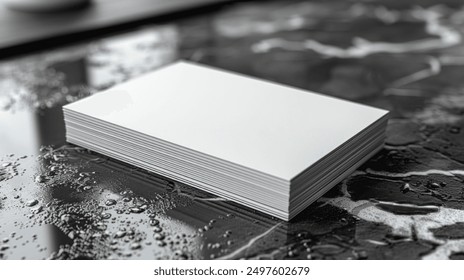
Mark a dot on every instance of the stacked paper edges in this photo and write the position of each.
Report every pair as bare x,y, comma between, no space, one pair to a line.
270,147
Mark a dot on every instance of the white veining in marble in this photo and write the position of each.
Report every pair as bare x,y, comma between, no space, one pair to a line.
418,226
250,243
443,36
450,173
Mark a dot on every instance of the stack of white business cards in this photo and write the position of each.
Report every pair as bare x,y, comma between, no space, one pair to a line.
267,146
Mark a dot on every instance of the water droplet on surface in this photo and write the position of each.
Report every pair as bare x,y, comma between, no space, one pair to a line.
72,234
180,255
292,253
135,246
53,168
136,210
41,179
120,234
106,215
158,236
405,188
154,222
37,209
101,226
32,202
110,202
67,218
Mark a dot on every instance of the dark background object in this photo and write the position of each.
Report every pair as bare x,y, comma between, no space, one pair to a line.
44,6
23,31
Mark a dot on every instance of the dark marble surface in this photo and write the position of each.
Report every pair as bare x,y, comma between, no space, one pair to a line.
60,201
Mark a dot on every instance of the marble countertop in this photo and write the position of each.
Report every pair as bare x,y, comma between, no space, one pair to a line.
59,201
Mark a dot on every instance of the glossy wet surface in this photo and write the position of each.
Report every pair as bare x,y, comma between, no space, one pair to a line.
60,201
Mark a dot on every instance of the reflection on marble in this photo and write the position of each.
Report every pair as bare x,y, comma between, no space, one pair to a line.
430,17
60,201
